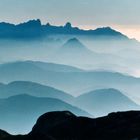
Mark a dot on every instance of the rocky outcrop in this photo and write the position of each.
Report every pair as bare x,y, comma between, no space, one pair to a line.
66,126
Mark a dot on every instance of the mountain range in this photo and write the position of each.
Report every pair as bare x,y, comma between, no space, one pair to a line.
109,100
34,29
33,89
74,82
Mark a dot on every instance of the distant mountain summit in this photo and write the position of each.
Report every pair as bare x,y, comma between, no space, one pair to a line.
73,51
74,43
68,25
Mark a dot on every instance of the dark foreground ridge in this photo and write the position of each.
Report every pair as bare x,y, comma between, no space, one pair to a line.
66,126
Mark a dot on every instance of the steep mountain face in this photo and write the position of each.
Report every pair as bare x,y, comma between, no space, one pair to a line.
65,125
28,109
104,101
34,89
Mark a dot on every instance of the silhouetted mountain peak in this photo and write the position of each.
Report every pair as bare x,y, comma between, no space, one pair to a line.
108,31
68,25
34,28
31,24
48,24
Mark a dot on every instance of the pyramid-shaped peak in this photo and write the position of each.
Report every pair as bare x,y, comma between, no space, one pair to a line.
74,40
74,43
48,24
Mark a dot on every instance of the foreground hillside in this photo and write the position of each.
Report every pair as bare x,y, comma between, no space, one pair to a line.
66,126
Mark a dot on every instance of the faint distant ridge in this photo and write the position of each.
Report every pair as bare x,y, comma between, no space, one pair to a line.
34,29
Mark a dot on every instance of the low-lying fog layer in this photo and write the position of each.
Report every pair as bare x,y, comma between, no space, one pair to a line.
91,54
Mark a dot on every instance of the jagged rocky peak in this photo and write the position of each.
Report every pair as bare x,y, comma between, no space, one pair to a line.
31,23
68,25
48,24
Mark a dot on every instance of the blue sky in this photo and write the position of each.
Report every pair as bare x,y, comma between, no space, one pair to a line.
120,14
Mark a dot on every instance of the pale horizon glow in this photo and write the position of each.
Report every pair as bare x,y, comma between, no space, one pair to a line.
121,15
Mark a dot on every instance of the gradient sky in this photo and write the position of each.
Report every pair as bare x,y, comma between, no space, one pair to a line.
123,15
